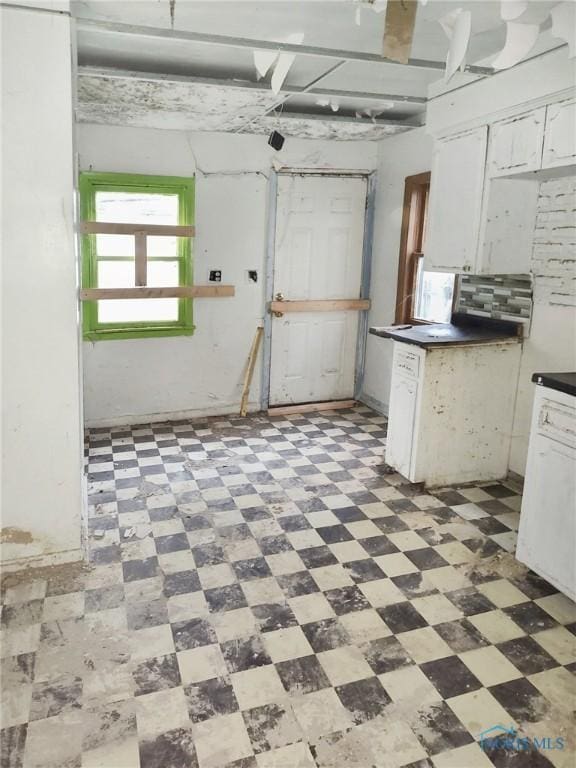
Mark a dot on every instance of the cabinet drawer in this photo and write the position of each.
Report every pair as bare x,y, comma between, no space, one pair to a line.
407,363
557,422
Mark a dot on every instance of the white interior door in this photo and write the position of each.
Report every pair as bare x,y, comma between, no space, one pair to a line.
319,235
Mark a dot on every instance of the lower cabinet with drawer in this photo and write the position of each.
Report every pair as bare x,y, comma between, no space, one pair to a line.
451,411
547,533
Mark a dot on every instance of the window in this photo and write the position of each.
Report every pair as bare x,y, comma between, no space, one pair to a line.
109,260
422,297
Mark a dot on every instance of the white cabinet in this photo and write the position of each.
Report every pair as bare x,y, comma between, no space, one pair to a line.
484,189
403,402
507,227
516,144
560,135
457,182
547,533
442,429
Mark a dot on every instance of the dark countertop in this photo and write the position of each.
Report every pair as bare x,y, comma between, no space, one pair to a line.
561,382
464,329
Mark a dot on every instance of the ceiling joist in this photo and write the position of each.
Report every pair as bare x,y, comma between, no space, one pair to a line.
112,73
264,45
332,118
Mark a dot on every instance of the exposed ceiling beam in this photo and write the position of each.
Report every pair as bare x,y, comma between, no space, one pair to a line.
264,45
287,96
367,95
333,118
114,73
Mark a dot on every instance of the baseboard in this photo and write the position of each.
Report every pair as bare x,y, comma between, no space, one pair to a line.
131,419
43,561
372,402
331,405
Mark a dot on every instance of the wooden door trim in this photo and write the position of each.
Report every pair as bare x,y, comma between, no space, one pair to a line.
411,233
369,176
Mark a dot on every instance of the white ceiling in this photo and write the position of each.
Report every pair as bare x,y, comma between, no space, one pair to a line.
145,80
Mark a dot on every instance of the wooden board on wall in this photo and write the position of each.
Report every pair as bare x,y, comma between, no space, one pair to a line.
322,305
147,292
116,228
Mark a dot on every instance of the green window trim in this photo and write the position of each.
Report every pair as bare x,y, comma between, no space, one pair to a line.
90,183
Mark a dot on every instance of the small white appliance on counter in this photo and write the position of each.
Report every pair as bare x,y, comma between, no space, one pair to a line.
547,533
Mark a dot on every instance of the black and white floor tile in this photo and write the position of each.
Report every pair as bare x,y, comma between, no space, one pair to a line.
264,593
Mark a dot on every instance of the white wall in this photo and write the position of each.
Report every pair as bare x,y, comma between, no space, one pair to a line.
398,157
41,425
551,345
126,381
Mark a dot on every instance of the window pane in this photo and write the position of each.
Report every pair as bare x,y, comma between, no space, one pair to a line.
115,274
119,311
434,292
163,273
120,274
114,245
123,245
162,246
136,207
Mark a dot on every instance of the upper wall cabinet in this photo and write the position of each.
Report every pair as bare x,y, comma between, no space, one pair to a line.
455,201
560,134
516,144
484,189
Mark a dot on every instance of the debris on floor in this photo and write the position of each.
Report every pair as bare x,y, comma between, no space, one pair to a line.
298,605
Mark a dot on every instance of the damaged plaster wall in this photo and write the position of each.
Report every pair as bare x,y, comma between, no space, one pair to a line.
552,342
398,157
42,494
133,380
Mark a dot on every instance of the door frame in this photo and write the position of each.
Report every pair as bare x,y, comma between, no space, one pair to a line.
269,263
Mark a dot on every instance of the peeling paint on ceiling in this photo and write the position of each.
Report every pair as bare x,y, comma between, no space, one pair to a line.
189,106
199,107
327,129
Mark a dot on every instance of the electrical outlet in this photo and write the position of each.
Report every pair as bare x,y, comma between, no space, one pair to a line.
215,276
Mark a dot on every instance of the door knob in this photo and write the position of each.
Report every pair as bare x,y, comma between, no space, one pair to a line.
279,297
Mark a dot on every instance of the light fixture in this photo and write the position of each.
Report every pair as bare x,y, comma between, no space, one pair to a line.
276,140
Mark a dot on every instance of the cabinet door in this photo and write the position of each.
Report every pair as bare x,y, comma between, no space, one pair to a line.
455,201
547,535
402,415
516,144
507,232
560,134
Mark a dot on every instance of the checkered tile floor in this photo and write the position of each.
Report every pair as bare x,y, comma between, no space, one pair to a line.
263,593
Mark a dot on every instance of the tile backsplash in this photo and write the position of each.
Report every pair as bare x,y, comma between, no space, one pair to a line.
503,297
553,263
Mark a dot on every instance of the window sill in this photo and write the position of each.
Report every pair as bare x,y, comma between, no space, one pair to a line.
138,333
